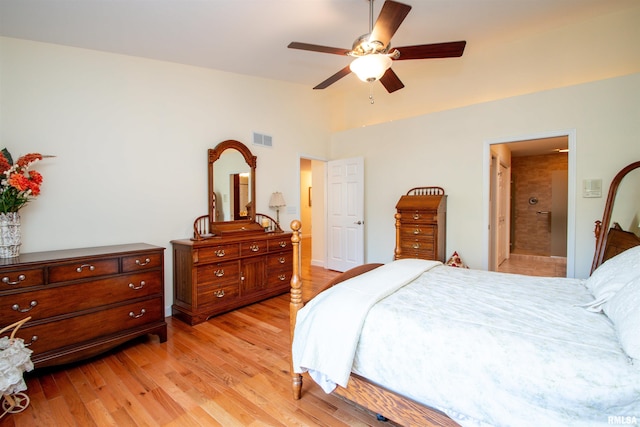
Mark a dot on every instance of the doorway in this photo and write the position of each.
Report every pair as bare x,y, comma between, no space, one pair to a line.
312,211
529,205
336,186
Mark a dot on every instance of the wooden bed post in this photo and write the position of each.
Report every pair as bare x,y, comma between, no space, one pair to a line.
398,250
296,302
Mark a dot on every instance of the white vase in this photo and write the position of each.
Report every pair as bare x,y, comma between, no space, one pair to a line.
9,234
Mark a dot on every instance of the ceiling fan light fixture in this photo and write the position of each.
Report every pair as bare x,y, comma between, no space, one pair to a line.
370,68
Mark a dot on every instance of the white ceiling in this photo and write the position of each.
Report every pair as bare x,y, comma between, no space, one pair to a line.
251,36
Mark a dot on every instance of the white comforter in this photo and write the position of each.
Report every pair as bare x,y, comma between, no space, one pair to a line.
497,349
348,305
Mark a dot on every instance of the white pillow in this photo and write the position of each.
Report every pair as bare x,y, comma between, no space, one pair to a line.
614,273
624,311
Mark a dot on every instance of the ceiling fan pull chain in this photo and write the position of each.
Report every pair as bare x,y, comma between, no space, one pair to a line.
371,93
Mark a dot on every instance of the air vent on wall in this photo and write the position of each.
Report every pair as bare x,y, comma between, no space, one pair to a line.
261,139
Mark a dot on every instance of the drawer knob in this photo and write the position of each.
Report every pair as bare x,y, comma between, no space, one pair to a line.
281,260
417,231
145,262
254,248
8,281
416,246
83,266
33,340
135,288
219,273
282,277
135,316
416,215
283,244
219,293
32,304
219,252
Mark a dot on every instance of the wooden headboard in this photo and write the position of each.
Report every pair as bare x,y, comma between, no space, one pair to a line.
619,241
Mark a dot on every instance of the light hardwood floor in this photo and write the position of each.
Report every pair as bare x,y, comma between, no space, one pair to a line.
232,370
534,265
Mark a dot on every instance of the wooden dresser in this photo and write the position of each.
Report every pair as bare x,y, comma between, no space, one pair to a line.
421,227
83,301
222,273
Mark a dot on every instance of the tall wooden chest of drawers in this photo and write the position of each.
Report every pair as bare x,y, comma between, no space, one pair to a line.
83,301
222,273
421,227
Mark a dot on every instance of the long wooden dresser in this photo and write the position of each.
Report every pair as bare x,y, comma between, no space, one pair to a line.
222,273
421,226
83,301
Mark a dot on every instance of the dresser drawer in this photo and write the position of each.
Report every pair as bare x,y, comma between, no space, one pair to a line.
279,261
279,244
57,300
417,231
417,246
75,330
82,270
280,279
22,278
217,294
217,253
141,262
219,273
418,217
253,248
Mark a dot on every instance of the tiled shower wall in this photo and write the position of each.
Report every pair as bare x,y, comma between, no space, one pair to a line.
531,179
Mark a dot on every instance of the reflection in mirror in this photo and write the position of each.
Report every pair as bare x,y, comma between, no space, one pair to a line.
231,186
232,189
626,209
619,229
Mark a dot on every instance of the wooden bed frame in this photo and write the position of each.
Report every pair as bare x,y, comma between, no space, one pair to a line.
375,398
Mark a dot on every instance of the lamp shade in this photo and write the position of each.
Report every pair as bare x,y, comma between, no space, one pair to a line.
370,68
277,201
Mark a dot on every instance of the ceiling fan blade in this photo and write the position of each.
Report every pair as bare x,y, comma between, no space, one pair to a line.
389,20
390,81
331,80
318,48
435,50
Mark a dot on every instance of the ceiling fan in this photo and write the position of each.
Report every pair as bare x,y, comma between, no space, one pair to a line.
373,52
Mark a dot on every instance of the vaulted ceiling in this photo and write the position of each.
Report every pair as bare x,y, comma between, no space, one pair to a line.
251,36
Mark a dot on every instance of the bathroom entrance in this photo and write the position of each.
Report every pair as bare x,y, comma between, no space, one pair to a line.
536,205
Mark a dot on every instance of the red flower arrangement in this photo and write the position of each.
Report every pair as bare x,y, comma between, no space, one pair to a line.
18,184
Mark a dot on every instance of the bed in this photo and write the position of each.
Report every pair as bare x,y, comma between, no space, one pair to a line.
486,348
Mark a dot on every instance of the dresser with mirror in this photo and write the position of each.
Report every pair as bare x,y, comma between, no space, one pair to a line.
236,255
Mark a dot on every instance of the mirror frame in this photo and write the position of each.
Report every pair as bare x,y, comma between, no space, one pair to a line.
602,228
213,155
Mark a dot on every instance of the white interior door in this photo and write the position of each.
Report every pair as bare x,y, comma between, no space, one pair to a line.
345,207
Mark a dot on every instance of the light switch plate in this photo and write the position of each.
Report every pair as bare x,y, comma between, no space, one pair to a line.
591,188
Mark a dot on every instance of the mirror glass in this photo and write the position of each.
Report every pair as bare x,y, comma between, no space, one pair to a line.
621,216
626,206
231,185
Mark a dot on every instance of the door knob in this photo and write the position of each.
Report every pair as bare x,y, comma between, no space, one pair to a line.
359,222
